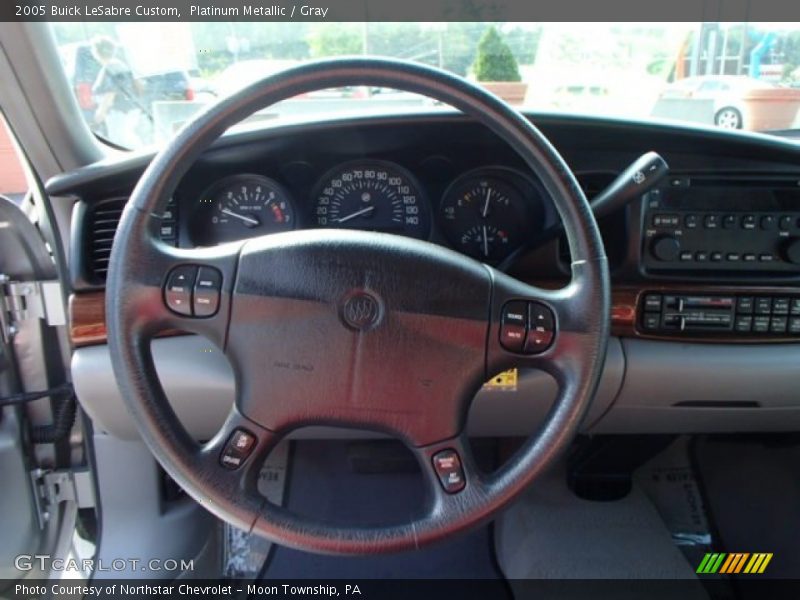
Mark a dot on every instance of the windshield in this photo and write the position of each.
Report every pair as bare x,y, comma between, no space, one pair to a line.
137,83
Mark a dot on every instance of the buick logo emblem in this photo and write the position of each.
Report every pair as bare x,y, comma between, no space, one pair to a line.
361,311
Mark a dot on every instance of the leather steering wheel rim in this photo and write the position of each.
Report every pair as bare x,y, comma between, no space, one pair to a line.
275,273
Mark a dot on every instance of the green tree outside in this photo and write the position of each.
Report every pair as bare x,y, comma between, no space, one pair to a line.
495,61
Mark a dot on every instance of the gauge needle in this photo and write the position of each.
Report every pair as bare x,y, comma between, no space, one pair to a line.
249,220
486,205
358,213
485,242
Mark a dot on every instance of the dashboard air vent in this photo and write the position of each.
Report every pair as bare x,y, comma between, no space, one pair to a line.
101,225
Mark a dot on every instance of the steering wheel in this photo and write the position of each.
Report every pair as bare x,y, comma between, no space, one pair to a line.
353,329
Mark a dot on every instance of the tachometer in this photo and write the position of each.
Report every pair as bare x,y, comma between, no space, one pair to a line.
244,206
372,195
485,215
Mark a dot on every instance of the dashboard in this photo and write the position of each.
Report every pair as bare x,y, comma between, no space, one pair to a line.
705,269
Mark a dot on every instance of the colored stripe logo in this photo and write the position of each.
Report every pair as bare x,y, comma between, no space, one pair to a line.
734,563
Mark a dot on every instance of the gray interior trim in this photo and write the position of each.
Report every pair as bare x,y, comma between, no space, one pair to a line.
137,522
712,379
195,375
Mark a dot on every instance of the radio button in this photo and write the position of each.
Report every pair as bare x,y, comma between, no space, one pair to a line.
666,220
763,306
652,302
729,221
780,306
733,257
207,288
178,291
670,302
749,257
514,325
711,222
744,305
768,222
686,256
744,324
701,256
541,328
786,222
691,221
794,309
761,324
749,222
794,325
778,325
515,313
652,320
716,256
766,257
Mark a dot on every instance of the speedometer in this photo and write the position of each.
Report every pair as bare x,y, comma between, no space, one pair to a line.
372,195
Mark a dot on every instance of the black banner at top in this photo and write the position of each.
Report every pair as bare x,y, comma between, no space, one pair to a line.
399,10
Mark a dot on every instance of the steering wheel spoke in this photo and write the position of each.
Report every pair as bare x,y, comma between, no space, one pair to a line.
547,329
236,453
450,473
179,289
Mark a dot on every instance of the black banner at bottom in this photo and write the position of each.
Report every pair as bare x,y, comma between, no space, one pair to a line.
404,589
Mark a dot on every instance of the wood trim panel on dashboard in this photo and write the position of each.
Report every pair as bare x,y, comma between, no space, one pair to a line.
87,314
87,319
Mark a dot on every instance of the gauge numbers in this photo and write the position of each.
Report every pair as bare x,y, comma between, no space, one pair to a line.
245,206
374,196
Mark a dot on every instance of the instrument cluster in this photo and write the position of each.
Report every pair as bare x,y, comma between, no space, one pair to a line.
488,213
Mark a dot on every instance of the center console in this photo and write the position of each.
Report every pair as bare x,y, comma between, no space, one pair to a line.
721,258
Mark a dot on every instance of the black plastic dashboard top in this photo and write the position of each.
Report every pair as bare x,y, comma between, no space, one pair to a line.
588,143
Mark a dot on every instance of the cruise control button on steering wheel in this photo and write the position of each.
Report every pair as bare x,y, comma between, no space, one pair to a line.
447,465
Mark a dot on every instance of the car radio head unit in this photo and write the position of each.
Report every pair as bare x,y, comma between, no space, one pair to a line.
707,226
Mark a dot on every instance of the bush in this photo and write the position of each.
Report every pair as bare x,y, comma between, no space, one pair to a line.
495,61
